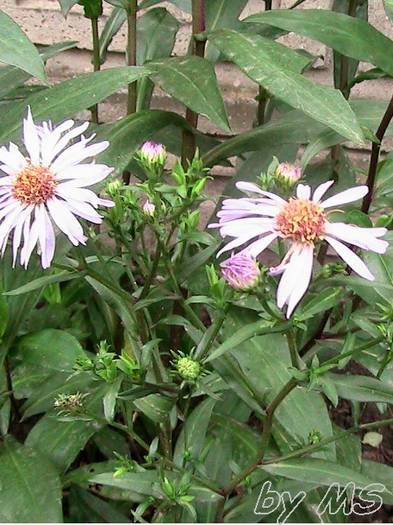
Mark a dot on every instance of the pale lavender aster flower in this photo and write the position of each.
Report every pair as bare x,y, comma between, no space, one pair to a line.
240,271
153,153
47,187
289,172
148,208
302,221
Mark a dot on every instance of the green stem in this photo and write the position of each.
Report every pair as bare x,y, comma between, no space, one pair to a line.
198,49
131,53
96,62
266,434
153,270
210,336
336,360
187,308
293,6
317,446
292,349
375,149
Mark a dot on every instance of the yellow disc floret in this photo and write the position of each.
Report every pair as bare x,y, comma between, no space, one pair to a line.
34,185
301,220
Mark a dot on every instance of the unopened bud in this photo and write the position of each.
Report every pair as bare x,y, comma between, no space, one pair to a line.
188,369
288,173
241,271
148,208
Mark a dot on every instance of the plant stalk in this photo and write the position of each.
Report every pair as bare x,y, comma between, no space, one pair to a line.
198,49
266,434
317,446
96,61
131,53
375,150
263,95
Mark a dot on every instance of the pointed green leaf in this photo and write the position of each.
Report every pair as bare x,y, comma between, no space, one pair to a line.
67,98
262,60
30,486
17,50
350,36
192,80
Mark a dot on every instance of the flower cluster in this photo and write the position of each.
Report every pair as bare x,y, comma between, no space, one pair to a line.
302,221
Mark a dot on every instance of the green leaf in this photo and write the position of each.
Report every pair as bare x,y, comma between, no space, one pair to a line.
4,315
156,36
30,486
265,361
69,97
311,470
292,128
380,473
110,399
41,282
220,14
350,36
139,484
112,26
323,301
17,50
369,114
42,366
192,80
193,434
85,507
21,306
262,60
12,77
362,388
244,334
61,441
349,450
344,77
155,406
67,5
127,134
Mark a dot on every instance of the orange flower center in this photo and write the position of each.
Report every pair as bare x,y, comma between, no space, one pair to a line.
301,221
34,185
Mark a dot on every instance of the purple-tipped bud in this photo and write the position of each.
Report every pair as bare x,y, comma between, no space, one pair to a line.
290,173
241,271
148,208
153,153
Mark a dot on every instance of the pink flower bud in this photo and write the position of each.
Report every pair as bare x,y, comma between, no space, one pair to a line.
240,271
153,153
148,208
289,172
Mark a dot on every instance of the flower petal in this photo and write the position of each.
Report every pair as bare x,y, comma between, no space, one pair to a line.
350,195
289,277
66,221
46,236
362,237
350,258
249,187
260,245
31,139
305,262
303,191
321,190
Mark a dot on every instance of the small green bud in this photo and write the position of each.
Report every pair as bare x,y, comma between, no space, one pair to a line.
314,437
188,369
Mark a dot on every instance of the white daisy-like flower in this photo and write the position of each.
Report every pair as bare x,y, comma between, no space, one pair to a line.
302,221
48,187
